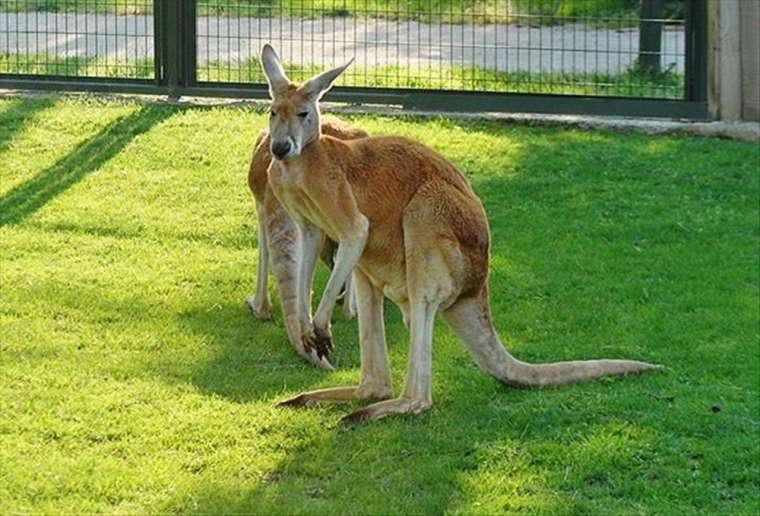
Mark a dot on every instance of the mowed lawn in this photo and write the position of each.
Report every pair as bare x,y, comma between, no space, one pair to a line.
133,379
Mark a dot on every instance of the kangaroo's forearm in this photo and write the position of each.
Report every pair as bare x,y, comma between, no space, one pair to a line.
350,249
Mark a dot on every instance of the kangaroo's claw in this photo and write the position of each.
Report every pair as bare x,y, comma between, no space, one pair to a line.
319,341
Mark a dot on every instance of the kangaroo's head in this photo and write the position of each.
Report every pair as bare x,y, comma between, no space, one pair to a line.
294,114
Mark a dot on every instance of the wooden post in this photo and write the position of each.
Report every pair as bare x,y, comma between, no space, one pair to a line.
650,35
724,60
750,50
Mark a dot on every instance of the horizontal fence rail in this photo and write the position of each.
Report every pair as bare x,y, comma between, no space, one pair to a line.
625,57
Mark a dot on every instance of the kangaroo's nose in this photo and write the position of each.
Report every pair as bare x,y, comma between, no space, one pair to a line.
280,149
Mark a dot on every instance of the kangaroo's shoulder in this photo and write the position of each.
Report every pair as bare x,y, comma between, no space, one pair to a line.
341,130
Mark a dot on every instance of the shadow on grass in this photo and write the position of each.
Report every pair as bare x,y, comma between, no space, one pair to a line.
248,360
18,115
430,463
25,199
252,360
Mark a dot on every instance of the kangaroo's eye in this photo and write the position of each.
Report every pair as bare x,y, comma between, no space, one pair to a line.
303,115
272,113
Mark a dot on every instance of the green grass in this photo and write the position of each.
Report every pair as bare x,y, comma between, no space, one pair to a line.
133,380
624,12
628,84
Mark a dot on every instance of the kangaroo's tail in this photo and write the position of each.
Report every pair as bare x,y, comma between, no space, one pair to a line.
470,318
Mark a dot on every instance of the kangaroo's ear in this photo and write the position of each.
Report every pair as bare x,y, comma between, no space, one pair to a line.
321,84
273,71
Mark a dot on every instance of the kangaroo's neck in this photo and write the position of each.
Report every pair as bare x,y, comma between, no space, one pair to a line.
311,156
315,136
315,157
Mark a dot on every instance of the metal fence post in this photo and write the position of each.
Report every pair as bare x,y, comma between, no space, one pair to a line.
696,51
175,44
169,37
188,43
158,44
650,35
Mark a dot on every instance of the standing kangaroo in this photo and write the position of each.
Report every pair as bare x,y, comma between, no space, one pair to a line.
416,232
277,239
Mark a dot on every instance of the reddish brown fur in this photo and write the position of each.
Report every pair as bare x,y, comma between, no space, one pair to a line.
411,228
372,169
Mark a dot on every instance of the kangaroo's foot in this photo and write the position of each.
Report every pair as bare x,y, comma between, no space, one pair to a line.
339,394
387,408
260,307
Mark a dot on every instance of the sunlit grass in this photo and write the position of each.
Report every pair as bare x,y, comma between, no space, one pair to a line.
133,379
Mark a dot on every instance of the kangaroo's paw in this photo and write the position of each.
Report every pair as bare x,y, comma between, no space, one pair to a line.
314,359
387,408
339,394
260,307
319,341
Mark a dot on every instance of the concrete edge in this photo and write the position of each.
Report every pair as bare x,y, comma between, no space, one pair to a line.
744,131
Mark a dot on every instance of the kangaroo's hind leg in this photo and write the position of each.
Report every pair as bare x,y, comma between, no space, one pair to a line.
375,373
259,301
429,259
417,387
349,300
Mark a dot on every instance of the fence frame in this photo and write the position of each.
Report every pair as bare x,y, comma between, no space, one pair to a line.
175,29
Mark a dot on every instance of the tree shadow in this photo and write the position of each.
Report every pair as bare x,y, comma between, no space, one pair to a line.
19,114
248,359
131,233
28,197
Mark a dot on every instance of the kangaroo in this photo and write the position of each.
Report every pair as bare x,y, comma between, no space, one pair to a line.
277,240
410,223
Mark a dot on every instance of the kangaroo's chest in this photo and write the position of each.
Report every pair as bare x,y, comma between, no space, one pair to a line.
288,186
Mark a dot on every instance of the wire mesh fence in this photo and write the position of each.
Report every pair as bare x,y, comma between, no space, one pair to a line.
585,47
77,38
620,48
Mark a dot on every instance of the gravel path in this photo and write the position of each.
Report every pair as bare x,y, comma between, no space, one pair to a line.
324,41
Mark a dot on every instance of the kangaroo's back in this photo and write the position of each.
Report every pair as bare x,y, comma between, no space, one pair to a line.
387,160
385,172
